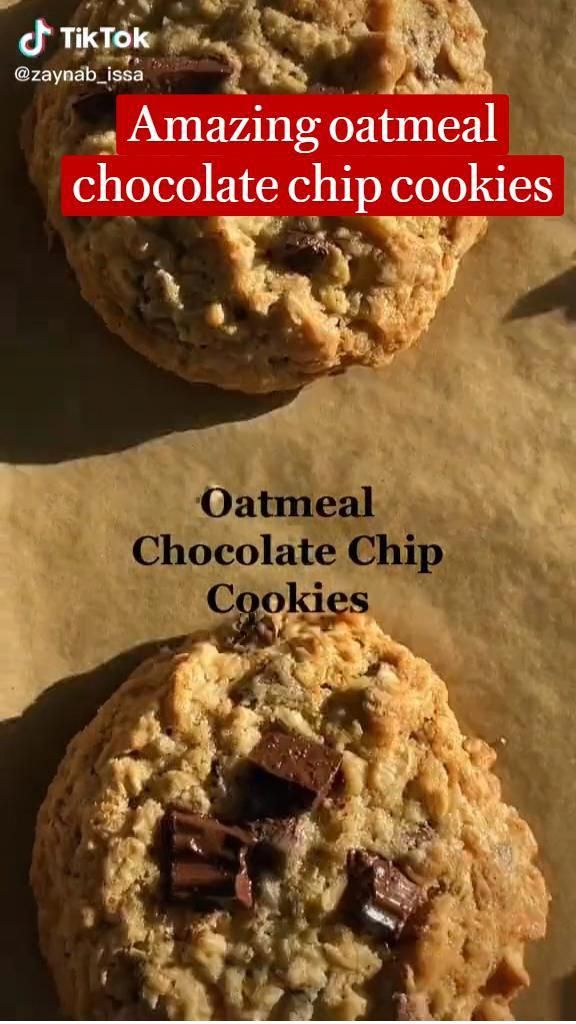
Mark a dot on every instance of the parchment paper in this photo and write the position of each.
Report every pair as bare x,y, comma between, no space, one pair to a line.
468,442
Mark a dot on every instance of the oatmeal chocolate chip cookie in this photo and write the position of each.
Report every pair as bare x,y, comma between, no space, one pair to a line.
284,824
262,303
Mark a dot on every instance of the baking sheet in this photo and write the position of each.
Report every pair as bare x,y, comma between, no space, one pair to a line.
468,442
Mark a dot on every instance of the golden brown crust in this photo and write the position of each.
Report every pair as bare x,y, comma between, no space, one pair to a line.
210,298
415,792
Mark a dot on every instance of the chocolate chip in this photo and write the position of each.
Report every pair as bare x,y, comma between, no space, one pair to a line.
254,630
321,90
188,75
96,106
302,252
204,837
296,771
190,878
379,896
204,860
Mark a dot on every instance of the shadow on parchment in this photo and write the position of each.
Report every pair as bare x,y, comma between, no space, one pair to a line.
559,294
31,748
68,388
568,997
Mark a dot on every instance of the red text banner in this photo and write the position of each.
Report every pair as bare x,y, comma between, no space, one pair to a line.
263,181
312,123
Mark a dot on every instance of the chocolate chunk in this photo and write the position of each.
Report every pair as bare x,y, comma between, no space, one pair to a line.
265,797
188,75
191,879
204,883
379,896
98,105
302,252
203,837
205,861
326,90
304,769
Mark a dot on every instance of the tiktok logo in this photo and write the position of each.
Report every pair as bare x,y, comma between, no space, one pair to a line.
32,44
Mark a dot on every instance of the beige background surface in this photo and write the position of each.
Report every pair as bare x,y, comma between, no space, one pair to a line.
468,441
